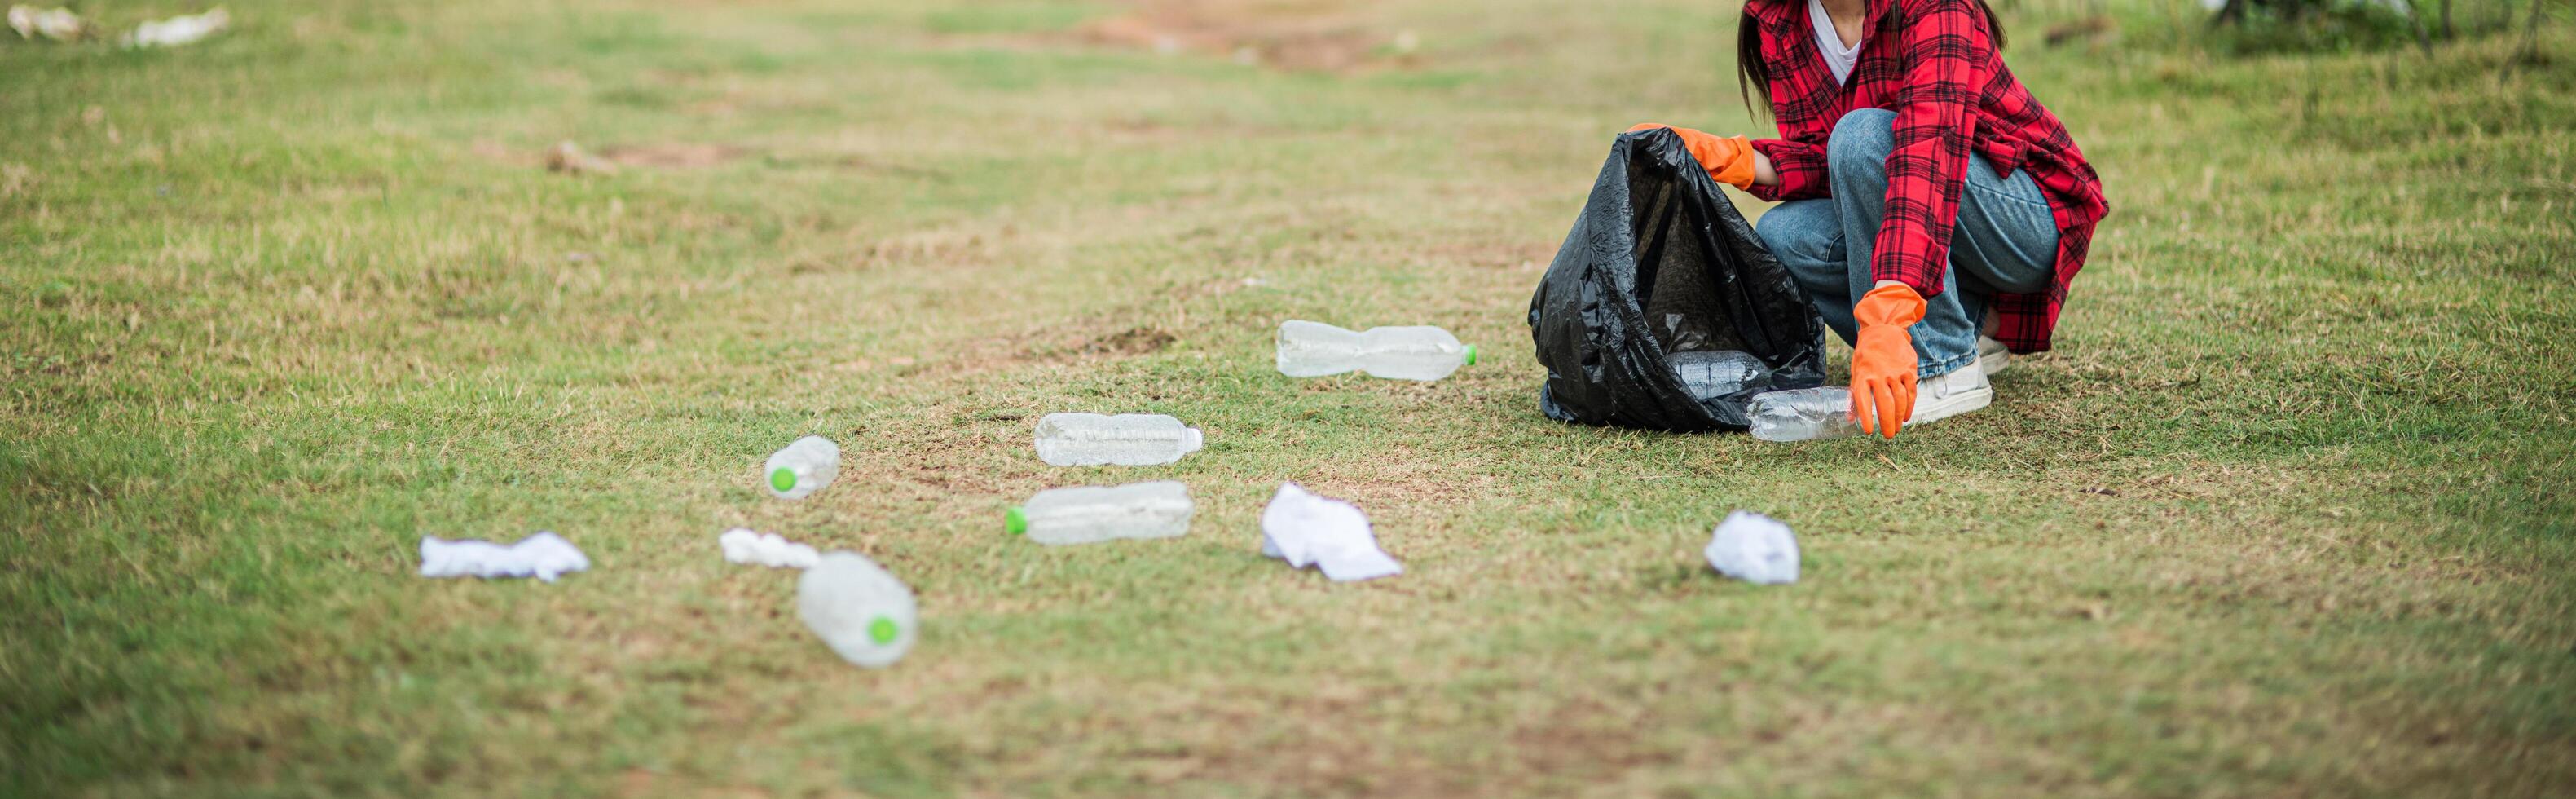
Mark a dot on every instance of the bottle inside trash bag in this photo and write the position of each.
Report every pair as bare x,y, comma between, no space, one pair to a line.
1314,349
1088,514
1133,439
858,608
1805,414
1711,374
803,468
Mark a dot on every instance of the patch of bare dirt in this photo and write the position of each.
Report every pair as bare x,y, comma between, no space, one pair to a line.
1583,735
571,158
672,155
645,782
1302,747
1132,341
1306,745
930,249
1298,35
1076,340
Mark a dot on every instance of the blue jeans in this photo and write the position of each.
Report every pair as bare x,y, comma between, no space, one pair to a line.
2005,240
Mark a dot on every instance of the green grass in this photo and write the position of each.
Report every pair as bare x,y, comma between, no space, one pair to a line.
2287,513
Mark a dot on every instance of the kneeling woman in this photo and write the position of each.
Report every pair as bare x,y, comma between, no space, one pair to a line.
1922,189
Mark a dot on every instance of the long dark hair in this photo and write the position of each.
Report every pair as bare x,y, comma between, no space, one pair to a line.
1752,74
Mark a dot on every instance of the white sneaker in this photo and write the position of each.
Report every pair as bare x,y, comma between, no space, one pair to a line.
1991,356
1962,390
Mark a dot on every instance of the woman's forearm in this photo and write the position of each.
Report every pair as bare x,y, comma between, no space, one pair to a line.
1763,174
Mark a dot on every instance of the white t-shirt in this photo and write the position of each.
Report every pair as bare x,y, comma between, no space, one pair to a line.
1837,57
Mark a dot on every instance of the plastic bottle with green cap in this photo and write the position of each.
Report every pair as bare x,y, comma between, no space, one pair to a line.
858,608
1315,349
803,468
1089,514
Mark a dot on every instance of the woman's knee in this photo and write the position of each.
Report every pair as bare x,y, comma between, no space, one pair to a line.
1807,238
1861,139
1791,227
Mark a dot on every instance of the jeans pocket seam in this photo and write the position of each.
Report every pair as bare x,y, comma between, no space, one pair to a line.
2014,197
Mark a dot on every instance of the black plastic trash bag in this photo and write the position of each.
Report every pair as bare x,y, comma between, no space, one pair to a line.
1660,281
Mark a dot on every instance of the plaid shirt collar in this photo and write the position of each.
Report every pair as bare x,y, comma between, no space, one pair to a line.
1789,17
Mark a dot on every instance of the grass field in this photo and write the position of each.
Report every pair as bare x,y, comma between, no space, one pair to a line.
2288,512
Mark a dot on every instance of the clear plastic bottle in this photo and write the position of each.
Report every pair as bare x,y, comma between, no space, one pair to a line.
804,467
1710,374
858,608
1314,349
1805,414
1132,439
1088,514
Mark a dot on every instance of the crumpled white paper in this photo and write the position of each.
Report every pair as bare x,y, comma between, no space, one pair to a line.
58,24
743,545
1754,548
544,556
1308,530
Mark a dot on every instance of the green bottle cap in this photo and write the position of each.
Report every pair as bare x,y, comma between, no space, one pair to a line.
784,480
882,630
1015,520
1471,355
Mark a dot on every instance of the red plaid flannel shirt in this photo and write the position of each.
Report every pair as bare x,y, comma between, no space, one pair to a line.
1934,63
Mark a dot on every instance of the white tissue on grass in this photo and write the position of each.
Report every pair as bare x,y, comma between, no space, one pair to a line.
1308,530
765,549
1754,548
177,31
544,556
58,24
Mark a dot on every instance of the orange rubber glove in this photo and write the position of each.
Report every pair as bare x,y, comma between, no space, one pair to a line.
1729,160
1883,362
